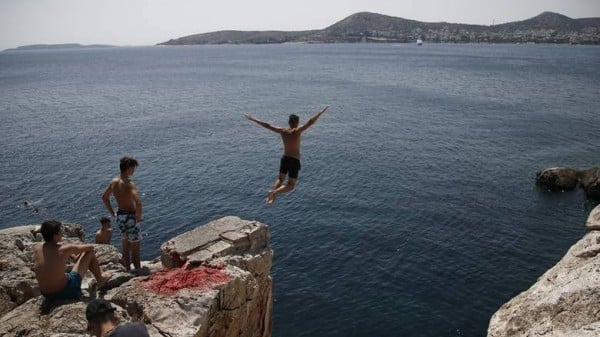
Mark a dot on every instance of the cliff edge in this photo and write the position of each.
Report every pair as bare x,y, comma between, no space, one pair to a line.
565,301
211,281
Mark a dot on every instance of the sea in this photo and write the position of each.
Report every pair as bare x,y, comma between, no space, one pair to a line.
416,211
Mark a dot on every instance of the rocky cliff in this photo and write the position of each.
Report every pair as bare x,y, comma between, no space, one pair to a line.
565,301
211,281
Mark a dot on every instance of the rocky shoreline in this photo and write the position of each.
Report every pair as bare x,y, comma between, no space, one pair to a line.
565,301
211,281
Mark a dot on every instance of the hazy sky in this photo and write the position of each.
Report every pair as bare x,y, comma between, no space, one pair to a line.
147,22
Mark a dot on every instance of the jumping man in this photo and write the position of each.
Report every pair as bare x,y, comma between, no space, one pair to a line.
290,162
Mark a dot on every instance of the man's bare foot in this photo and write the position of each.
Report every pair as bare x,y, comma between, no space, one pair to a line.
270,197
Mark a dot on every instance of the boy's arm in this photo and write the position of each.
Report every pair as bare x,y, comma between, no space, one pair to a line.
106,199
313,119
264,124
138,203
73,249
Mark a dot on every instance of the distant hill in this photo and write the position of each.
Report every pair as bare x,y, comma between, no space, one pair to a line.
547,27
58,46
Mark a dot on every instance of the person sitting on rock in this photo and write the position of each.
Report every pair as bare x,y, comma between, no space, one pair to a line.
102,322
104,234
50,264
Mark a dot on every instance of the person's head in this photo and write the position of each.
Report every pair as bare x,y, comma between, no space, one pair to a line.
128,165
293,121
100,313
51,230
105,222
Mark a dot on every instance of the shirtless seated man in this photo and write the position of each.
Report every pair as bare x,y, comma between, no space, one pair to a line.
290,162
50,264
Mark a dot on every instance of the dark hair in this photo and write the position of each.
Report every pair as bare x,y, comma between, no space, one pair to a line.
293,121
49,229
127,162
104,220
99,311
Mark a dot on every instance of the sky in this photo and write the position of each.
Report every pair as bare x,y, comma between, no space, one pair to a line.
148,22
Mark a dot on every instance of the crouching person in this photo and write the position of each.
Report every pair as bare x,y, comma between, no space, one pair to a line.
102,322
50,260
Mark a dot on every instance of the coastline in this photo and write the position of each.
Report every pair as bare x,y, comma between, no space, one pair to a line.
564,301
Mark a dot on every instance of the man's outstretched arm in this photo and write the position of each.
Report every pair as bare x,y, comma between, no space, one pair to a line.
313,119
264,124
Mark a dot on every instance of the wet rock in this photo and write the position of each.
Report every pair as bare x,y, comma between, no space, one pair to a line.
557,178
590,182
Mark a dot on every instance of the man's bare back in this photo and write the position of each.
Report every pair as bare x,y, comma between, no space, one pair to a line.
50,264
50,267
103,236
291,142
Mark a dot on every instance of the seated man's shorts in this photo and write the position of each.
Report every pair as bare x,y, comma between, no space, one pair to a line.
72,289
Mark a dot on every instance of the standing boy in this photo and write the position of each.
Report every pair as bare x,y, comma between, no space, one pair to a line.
129,213
290,162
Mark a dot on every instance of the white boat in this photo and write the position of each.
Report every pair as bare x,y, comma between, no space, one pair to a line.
419,42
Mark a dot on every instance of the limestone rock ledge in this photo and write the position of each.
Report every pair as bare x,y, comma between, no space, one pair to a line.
217,284
565,301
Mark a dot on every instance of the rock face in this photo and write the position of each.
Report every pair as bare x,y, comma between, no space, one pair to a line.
218,285
557,178
565,301
590,182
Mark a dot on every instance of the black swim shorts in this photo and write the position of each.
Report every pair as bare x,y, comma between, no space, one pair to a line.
289,166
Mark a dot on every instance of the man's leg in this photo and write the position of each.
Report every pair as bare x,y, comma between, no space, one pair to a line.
88,261
278,183
135,254
291,183
126,252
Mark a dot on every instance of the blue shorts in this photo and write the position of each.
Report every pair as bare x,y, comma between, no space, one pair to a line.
128,225
72,289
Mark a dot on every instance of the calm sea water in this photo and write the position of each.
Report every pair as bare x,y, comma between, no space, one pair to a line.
416,212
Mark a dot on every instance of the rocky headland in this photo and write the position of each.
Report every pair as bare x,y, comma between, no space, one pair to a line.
211,281
565,301
547,27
